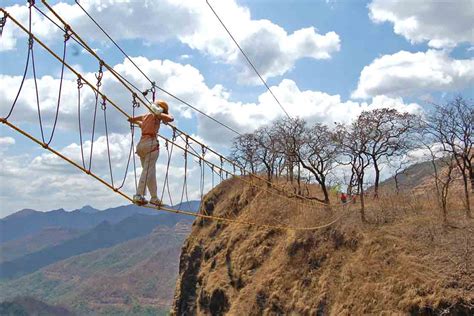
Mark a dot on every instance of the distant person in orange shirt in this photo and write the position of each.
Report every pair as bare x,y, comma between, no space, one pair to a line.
148,150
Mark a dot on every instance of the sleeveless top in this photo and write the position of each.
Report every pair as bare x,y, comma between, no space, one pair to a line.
150,126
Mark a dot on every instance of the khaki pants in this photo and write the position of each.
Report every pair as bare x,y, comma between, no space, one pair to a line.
147,150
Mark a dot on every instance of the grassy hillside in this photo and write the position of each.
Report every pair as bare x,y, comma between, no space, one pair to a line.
405,260
134,278
24,306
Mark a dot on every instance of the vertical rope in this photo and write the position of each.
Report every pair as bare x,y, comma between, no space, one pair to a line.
103,106
130,153
166,181
153,91
36,84
80,84
98,76
202,178
25,71
135,105
185,169
173,140
222,167
67,36
212,173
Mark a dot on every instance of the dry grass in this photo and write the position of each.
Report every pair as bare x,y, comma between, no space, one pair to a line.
404,260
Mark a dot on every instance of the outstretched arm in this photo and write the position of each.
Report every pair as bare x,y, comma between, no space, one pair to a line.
166,118
136,119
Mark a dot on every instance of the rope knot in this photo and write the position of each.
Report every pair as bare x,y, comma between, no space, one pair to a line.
30,42
100,74
103,104
135,103
80,84
3,21
31,3
153,90
3,120
174,133
67,32
44,145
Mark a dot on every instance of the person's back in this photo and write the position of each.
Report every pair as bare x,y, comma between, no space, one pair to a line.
150,125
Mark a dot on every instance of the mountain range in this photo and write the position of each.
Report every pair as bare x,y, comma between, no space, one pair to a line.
119,260
28,221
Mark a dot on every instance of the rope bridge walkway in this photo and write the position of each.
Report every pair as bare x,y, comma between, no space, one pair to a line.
204,158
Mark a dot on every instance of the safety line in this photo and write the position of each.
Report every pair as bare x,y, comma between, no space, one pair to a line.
248,59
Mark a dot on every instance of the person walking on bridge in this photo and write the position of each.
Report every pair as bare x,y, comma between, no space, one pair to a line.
148,150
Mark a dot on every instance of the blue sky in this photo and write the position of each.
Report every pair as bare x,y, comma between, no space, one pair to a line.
326,61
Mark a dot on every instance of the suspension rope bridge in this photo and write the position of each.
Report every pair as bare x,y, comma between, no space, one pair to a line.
128,85
223,169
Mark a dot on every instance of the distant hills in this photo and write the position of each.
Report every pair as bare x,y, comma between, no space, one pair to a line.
121,260
47,237
419,178
24,306
103,235
138,274
27,222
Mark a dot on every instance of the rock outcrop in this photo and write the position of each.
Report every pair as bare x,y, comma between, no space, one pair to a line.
404,265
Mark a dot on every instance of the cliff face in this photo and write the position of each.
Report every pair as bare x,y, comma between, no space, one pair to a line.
404,264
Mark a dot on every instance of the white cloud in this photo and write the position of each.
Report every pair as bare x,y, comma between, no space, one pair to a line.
440,23
269,46
187,83
406,74
6,141
185,57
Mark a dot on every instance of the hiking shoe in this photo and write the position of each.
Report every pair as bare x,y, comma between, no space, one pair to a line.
139,200
156,202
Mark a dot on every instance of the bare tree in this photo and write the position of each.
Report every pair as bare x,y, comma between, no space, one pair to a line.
267,150
317,154
443,170
399,169
388,133
452,126
354,142
290,138
244,151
